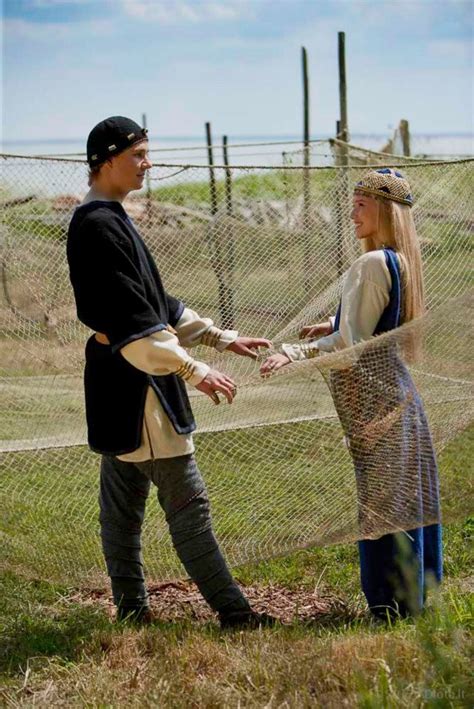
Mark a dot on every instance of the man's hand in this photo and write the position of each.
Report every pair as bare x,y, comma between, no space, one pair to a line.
273,363
245,346
216,381
320,330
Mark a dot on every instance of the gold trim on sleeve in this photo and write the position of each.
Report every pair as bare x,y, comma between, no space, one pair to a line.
186,370
308,351
211,337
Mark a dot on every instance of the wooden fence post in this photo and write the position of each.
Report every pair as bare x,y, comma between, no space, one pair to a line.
306,230
148,184
343,183
228,304
405,135
344,132
219,255
212,178
228,177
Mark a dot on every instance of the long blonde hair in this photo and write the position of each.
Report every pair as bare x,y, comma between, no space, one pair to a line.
396,228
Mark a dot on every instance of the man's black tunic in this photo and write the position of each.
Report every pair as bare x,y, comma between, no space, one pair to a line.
119,292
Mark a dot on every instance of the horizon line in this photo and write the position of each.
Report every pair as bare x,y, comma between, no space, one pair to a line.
238,136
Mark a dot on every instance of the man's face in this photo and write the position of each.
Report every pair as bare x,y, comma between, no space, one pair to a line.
127,170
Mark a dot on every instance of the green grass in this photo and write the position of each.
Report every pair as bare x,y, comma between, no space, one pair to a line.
237,466
261,506
59,650
259,185
271,263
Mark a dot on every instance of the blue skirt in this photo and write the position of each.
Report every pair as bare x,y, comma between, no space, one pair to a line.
397,480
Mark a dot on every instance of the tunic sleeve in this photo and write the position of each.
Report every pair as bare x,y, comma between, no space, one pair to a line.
109,289
175,308
161,354
192,330
364,298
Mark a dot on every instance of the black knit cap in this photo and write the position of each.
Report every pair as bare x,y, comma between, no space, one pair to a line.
111,137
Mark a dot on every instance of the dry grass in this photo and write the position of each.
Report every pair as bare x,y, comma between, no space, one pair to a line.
179,667
62,650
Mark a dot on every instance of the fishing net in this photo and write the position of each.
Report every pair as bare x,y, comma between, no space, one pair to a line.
265,250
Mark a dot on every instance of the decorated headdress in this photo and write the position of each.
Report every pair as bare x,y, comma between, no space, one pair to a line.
386,183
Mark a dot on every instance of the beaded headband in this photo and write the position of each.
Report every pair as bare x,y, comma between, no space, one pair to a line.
386,183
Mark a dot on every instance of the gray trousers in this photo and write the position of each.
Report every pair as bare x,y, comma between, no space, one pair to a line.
124,488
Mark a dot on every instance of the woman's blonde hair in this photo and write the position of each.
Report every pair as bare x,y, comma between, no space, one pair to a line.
396,228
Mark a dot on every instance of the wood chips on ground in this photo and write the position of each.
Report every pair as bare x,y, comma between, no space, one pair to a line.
181,600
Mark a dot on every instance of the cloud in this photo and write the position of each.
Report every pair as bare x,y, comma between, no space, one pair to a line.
452,49
44,4
168,12
17,29
23,29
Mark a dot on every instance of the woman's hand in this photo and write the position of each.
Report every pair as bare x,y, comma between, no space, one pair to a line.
320,330
273,363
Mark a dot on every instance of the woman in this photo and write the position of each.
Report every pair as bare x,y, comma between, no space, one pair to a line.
378,405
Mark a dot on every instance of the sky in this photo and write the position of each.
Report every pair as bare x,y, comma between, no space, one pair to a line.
67,64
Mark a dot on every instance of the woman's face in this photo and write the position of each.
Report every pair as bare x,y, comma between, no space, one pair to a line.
365,213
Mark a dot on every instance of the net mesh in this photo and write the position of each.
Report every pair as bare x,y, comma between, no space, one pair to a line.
266,255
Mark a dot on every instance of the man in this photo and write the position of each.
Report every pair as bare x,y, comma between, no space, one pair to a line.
138,412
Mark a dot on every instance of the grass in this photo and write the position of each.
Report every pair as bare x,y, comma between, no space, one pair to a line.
59,647
229,461
61,651
260,506
259,185
271,264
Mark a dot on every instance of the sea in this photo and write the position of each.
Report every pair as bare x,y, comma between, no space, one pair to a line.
45,178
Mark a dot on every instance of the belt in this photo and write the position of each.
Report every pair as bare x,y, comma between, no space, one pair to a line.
104,340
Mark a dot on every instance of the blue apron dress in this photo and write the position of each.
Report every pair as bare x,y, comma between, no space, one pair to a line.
395,466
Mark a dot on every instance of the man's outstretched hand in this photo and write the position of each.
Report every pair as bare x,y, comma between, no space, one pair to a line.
215,382
248,346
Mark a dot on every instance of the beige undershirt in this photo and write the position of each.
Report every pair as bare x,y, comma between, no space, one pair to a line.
163,353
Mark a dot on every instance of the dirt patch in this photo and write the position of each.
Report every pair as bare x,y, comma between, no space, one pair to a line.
181,600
